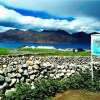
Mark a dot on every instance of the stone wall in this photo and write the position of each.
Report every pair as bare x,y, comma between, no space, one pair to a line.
15,69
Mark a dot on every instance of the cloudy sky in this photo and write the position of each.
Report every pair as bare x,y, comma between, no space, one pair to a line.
68,15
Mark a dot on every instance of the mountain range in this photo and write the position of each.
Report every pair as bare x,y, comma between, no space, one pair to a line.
45,36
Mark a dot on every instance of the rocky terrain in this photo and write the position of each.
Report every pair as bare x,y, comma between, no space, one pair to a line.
58,36
20,68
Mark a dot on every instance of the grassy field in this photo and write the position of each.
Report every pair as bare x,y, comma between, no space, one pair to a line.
56,52
44,52
77,95
5,51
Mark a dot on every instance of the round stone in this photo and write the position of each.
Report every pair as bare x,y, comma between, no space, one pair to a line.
68,71
13,74
19,75
17,81
4,66
9,69
30,72
51,75
37,62
68,74
29,63
64,71
72,71
30,68
24,66
22,79
1,72
28,80
62,67
32,87
32,77
57,76
2,78
20,70
35,66
35,71
13,81
62,74
4,85
7,79
25,72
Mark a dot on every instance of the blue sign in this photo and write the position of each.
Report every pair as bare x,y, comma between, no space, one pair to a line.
95,46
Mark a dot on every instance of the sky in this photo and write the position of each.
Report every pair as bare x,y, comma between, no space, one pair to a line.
68,15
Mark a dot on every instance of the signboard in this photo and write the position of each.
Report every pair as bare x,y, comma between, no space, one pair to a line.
95,44
95,49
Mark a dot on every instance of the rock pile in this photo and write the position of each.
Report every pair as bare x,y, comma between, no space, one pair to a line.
15,69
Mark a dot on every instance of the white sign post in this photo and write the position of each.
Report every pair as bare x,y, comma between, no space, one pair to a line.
95,48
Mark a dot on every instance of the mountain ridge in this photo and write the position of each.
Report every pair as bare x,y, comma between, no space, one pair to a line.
45,36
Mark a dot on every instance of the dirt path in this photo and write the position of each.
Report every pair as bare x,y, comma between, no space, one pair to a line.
77,95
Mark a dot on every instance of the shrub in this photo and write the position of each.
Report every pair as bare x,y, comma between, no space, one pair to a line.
45,89
80,49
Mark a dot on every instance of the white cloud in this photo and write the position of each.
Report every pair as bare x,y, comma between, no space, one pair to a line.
86,24
3,29
62,8
16,20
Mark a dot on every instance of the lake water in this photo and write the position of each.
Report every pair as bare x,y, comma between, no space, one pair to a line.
56,45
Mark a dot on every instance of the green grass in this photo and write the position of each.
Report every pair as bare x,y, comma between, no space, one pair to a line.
48,52
44,52
38,50
5,51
